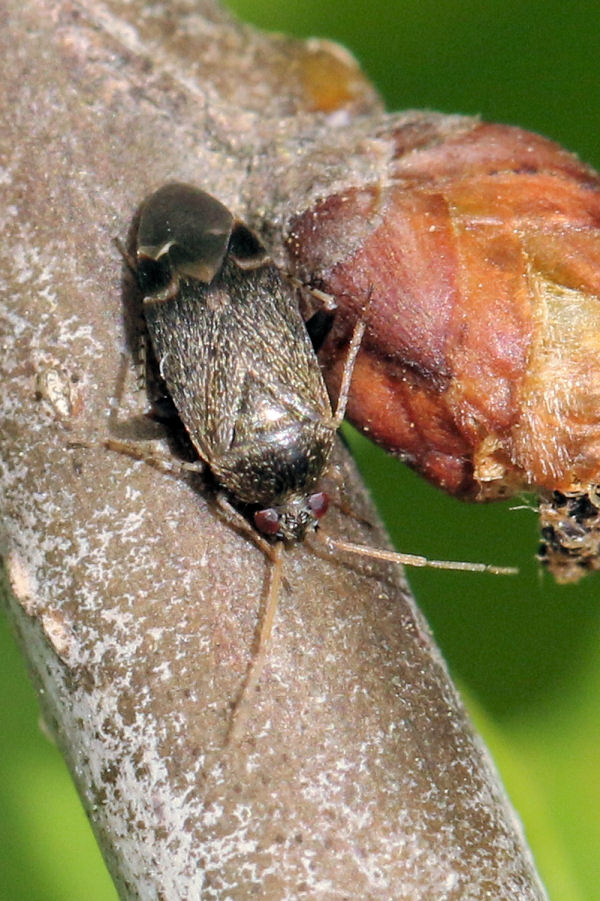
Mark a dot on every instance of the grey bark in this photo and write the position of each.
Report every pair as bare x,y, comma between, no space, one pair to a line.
358,775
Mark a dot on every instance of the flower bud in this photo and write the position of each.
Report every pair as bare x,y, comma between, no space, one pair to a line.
476,262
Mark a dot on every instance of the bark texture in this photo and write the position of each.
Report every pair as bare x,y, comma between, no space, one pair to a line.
136,605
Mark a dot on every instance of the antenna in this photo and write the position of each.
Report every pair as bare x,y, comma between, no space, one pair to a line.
337,544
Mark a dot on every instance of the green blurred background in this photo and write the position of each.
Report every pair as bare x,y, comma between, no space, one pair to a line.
525,652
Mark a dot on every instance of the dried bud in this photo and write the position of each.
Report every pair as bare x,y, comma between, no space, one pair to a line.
480,254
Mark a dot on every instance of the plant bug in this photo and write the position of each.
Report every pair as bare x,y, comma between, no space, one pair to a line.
236,358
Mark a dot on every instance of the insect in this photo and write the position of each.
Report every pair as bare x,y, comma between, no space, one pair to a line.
235,356
480,367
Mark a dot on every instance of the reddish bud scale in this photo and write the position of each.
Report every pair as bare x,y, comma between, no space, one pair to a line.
480,254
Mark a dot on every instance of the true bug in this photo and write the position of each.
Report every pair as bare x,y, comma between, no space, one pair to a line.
235,356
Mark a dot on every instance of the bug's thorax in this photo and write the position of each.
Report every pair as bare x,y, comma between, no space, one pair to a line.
277,470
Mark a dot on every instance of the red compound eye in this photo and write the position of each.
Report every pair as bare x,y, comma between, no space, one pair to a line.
319,504
267,521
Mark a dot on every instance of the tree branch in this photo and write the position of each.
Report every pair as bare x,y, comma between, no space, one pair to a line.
136,606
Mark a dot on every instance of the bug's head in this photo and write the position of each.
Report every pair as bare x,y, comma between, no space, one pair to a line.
291,520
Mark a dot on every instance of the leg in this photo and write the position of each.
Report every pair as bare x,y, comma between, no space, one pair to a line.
235,519
259,652
132,449
353,349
